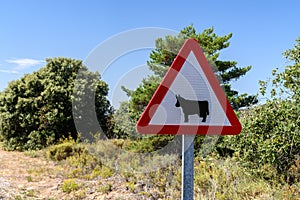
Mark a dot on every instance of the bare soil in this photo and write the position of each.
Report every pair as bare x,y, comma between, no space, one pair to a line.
25,175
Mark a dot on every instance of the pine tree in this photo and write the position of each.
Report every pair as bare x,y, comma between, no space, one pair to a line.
166,50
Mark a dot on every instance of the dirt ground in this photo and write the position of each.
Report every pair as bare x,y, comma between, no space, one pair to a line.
29,175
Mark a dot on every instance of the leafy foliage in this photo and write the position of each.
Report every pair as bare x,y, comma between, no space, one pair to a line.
69,185
286,84
124,125
36,110
271,133
64,150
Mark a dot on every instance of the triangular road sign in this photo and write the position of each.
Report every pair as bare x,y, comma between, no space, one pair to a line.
189,99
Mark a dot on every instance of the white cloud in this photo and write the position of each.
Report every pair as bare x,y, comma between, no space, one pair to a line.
21,64
9,71
24,63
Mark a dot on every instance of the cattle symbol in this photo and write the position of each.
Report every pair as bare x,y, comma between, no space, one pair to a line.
192,107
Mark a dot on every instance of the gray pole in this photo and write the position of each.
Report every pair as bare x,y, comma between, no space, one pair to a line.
187,167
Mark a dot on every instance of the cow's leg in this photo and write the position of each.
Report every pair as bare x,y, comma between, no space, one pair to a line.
204,118
186,118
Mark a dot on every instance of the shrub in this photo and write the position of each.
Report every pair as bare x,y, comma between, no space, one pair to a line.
271,132
148,144
69,185
64,150
36,110
270,136
78,162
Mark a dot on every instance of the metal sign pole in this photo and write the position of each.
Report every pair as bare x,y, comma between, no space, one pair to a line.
187,167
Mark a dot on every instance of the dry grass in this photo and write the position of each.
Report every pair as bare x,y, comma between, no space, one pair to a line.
86,175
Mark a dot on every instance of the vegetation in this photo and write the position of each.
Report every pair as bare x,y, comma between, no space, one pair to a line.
271,132
216,177
263,162
36,110
69,185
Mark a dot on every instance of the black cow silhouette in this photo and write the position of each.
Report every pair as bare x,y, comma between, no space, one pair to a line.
192,107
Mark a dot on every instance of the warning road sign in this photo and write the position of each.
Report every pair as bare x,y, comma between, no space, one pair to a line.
189,99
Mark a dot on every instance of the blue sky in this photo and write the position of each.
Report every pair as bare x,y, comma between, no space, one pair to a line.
34,30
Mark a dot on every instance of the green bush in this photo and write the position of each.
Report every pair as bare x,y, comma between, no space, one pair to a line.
147,144
77,160
36,110
271,132
69,186
64,150
270,136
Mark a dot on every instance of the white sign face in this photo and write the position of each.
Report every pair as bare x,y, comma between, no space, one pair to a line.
190,84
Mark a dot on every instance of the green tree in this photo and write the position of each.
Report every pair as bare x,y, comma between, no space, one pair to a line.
166,50
124,125
36,110
286,84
